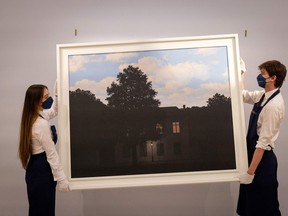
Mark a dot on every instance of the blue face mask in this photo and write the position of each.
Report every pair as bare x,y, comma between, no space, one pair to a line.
47,103
261,81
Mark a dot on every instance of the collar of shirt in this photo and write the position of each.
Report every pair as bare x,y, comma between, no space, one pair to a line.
268,94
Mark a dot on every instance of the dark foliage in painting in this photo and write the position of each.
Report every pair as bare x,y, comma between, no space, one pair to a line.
132,92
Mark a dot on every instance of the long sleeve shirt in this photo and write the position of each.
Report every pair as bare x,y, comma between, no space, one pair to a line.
270,118
42,140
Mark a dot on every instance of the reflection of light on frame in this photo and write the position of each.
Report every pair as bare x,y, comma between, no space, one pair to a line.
230,41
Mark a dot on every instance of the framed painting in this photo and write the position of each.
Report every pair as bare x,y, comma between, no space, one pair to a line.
154,112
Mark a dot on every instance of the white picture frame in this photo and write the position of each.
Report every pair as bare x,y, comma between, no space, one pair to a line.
229,41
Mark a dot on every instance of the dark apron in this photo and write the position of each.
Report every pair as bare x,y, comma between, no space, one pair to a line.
41,187
260,198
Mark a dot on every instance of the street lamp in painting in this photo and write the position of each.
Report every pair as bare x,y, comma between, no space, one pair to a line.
152,156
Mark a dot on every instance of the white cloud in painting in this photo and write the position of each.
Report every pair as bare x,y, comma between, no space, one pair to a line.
225,74
183,96
184,72
173,76
172,81
120,57
221,88
97,88
77,63
206,51
149,65
168,78
189,96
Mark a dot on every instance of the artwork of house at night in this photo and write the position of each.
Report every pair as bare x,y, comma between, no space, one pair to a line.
132,134
156,112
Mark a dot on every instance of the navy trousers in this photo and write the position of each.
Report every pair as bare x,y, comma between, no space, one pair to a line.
41,187
261,197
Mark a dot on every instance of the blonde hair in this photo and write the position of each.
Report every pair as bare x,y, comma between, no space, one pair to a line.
33,97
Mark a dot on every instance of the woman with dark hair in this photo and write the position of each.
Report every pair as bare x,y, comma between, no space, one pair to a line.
259,185
38,154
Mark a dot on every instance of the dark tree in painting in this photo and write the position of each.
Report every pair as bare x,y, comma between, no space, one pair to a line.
134,96
218,100
133,91
88,127
217,122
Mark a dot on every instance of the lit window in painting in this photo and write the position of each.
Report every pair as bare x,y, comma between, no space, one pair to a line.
159,128
176,127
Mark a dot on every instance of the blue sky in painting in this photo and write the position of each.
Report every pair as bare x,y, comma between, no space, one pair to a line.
181,76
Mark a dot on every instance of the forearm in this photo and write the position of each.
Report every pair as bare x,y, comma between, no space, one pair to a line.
242,80
53,111
257,157
54,108
243,70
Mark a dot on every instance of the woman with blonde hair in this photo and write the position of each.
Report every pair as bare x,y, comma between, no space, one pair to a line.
38,154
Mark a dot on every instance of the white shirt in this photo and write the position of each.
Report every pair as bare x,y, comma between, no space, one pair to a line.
42,140
270,118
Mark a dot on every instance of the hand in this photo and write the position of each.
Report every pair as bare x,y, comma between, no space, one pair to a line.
246,178
55,89
64,186
242,66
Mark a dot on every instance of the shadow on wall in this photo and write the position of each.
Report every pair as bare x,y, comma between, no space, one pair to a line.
180,200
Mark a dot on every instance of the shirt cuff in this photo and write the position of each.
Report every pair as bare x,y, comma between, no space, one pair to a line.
263,146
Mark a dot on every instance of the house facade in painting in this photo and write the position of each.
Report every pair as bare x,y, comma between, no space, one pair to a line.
172,145
106,142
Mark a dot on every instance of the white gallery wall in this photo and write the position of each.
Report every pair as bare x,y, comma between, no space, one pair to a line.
29,32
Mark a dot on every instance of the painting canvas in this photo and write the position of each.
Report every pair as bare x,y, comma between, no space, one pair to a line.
151,113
